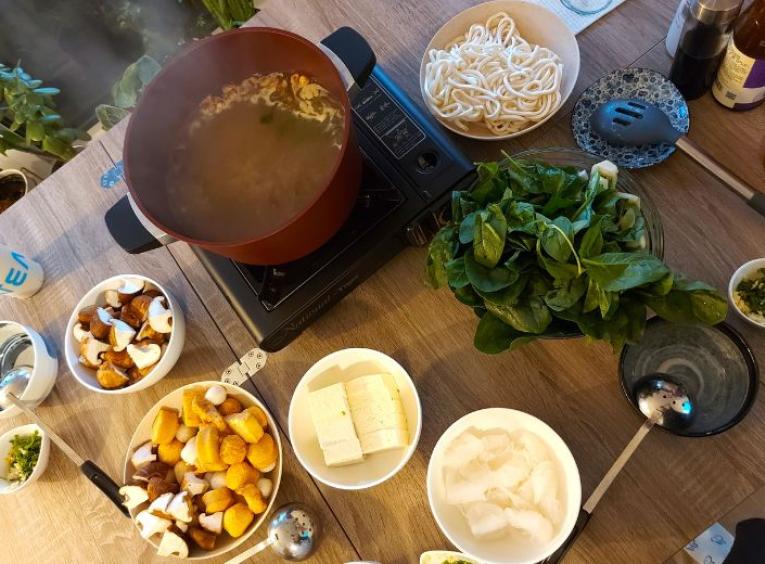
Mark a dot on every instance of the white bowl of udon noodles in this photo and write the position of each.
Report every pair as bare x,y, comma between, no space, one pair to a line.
499,69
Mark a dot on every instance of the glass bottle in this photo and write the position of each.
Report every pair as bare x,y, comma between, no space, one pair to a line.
740,83
702,45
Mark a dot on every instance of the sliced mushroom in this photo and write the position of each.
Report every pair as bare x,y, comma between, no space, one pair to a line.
80,333
160,486
121,359
130,317
217,480
213,523
91,350
265,486
112,298
129,288
150,525
86,314
159,506
194,485
182,527
151,470
189,451
185,433
133,496
111,377
120,335
101,323
160,318
173,544
140,305
144,356
147,333
142,456
204,539
180,507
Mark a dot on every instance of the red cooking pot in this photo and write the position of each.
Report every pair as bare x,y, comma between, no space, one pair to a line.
144,219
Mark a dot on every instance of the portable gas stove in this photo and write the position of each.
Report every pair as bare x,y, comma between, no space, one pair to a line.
410,170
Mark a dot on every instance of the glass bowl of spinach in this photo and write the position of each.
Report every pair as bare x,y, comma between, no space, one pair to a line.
556,243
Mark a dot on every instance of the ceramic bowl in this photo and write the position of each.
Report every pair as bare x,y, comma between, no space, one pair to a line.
8,488
87,376
342,366
537,25
445,556
44,365
142,434
512,548
745,271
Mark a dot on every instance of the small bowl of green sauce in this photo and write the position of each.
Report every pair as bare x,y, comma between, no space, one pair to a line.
24,453
746,291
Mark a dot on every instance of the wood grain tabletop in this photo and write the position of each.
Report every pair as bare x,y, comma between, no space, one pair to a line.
673,487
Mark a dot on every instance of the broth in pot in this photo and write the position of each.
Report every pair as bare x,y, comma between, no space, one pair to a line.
254,157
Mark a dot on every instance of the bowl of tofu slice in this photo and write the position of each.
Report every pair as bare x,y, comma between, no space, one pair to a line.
355,419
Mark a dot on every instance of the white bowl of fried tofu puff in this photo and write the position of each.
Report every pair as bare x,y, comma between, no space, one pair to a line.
355,419
202,470
125,335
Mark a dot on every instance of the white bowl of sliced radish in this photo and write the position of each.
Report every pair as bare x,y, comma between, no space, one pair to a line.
503,487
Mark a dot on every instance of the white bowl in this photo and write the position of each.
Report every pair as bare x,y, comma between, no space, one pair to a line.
745,271
44,366
7,488
87,376
342,366
537,25
511,549
174,400
441,556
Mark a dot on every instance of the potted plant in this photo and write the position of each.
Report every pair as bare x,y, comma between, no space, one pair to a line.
28,118
13,186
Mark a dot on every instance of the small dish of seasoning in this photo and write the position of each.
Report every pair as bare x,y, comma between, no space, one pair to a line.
746,291
24,453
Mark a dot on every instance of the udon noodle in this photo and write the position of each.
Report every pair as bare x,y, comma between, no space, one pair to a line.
492,75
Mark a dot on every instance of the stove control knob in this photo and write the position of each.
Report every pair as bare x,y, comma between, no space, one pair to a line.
417,235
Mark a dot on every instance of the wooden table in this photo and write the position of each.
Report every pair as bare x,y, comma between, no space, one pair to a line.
671,490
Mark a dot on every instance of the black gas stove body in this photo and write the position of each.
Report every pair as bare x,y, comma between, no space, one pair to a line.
410,171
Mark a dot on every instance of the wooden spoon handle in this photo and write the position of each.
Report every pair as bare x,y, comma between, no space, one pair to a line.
726,176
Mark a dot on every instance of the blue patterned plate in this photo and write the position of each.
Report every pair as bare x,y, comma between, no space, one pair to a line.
642,84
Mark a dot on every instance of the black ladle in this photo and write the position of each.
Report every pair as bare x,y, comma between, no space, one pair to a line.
663,403
635,122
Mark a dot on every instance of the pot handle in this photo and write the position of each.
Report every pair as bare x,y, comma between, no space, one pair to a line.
131,230
354,52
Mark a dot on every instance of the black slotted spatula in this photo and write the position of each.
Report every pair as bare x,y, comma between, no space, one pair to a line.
634,122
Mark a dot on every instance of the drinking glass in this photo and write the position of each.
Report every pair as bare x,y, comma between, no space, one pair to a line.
586,7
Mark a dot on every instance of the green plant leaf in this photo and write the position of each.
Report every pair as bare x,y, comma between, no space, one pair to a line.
455,273
526,316
467,228
493,336
506,296
567,295
489,235
592,241
468,296
35,131
557,239
440,252
488,187
617,272
109,116
689,302
61,149
486,279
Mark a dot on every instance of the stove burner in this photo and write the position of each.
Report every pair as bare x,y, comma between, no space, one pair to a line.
376,201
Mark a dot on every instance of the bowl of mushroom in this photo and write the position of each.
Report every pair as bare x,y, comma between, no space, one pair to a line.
202,470
125,335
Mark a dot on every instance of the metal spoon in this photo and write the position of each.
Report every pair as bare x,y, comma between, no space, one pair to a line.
635,122
664,403
293,534
15,382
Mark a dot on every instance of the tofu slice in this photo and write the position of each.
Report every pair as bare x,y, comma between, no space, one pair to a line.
331,415
377,412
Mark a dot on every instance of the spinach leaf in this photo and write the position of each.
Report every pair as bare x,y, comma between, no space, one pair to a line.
527,316
468,296
442,249
592,241
689,302
557,238
467,228
506,296
493,336
489,186
489,279
489,235
455,273
617,272
566,295
462,205
521,217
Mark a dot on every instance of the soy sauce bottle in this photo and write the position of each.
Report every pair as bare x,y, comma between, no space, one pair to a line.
702,45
